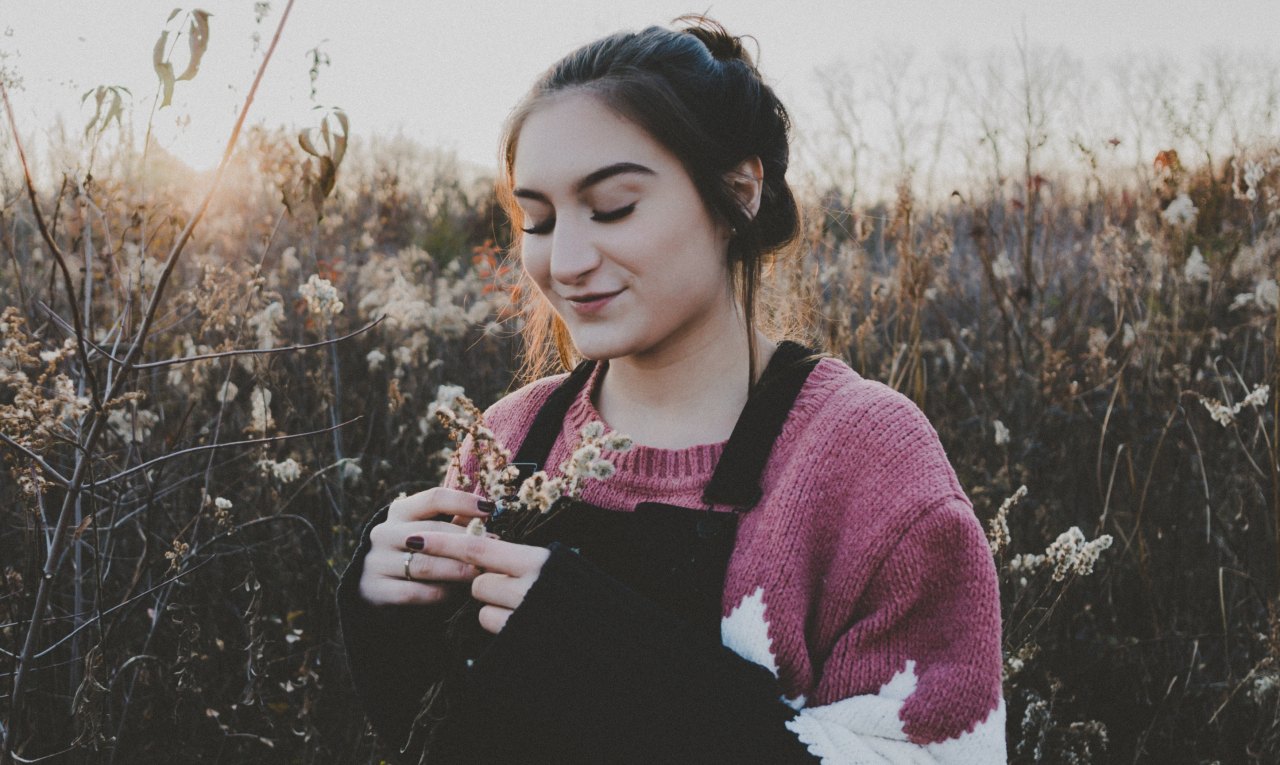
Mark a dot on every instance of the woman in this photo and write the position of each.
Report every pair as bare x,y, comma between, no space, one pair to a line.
783,569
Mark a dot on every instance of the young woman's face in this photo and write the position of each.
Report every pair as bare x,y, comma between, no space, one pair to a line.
616,237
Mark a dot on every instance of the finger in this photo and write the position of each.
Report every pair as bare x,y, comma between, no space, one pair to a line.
401,592
392,534
438,501
499,589
488,554
430,568
390,564
494,618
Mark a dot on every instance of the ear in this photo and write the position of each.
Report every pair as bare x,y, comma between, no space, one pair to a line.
747,180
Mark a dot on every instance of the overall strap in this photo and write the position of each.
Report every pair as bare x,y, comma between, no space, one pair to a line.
549,420
736,480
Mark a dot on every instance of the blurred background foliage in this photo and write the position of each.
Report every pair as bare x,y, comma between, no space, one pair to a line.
1089,313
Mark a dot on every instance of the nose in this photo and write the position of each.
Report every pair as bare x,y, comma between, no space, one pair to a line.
574,254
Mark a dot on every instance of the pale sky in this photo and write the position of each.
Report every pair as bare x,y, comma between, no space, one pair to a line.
446,73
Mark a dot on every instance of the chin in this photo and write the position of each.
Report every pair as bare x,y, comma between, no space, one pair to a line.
601,346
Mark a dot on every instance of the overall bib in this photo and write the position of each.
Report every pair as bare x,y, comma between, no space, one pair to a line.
676,556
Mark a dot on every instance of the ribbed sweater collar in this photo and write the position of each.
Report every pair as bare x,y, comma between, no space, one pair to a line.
653,470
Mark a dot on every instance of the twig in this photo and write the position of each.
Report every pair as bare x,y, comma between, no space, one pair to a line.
207,447
254,351
49,649
62,324
58,478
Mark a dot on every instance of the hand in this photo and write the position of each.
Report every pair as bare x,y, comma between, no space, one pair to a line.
435,579
510,570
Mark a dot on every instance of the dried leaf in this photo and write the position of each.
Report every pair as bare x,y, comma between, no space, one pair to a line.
198,39
110,96
340,140
304,140
88,519
164,70
99,94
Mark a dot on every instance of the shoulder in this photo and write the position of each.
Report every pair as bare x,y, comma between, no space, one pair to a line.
859,445
863,418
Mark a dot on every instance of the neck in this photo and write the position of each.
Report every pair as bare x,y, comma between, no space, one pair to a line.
687,394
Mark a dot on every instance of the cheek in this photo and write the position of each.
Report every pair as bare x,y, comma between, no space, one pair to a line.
536,264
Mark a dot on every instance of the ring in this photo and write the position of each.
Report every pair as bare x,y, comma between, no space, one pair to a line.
408,556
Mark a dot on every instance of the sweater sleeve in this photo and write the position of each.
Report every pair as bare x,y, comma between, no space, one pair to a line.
392,651
932,612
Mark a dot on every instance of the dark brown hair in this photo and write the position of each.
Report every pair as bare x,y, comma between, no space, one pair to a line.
698,93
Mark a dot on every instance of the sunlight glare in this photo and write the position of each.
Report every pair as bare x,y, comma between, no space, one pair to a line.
197,143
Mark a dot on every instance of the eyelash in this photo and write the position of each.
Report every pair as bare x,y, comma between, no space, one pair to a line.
604,217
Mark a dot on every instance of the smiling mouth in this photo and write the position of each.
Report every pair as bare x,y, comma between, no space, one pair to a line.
593,297
588,304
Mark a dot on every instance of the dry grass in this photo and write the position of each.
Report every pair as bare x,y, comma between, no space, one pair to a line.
1100,343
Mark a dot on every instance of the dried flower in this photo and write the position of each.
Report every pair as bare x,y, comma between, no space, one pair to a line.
1002,433
266,322
1180,212
1002,267
495,476
287,471
228,393
1071,554
260,419
321,297
1196,269
998,534
349,470
1225,415
1267,294
132,427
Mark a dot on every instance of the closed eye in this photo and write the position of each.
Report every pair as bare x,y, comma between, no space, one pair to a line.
600,217
621,212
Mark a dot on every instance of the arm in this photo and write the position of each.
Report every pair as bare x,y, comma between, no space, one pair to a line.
388,648
932,614
394,629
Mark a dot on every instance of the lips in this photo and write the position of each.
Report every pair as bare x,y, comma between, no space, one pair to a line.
591,302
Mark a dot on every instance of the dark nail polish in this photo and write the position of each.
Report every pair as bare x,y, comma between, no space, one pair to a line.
414,543
486,505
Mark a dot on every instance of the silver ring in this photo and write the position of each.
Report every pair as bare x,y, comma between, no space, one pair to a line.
408,556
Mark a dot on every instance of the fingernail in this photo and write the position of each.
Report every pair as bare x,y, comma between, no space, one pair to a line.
486,505
415,543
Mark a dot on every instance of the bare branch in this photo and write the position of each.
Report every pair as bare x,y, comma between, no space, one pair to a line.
255,351
58,478
207,447
221,354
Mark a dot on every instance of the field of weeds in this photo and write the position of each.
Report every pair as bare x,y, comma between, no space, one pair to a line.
203,397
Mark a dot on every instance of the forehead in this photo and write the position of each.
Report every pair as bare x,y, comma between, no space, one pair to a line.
567,138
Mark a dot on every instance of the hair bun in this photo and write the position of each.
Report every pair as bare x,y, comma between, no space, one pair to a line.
723,46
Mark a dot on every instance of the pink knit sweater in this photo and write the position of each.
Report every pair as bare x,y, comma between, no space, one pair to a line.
862,580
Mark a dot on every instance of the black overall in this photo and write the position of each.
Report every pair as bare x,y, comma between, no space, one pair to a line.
673,557
676,556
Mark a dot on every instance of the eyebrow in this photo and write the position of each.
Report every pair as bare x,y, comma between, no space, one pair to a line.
589,180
